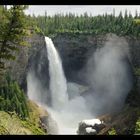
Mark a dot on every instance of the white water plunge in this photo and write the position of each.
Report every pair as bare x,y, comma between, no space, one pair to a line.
58,83
110,69
67,113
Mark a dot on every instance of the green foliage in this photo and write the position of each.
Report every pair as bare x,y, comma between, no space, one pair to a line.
3,131
31,127
137,71
11,124
83,24
12,98
137,21
137,129
13,28
38,30
112,132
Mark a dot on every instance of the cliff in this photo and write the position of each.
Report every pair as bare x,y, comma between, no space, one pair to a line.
75,50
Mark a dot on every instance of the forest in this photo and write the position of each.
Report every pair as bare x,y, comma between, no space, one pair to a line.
12,35
87,24
17,29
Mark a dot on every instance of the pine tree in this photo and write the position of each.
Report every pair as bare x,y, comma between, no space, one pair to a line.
125,14
101,24
12,98
14,30
136,14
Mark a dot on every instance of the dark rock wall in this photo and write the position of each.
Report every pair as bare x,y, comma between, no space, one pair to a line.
38,61
74,50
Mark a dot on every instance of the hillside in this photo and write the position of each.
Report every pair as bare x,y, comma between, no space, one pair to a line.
11,124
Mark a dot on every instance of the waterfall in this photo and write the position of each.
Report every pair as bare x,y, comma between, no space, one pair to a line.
108,73
64,111
58,84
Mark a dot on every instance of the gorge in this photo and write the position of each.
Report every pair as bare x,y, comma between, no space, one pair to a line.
69,73
108,78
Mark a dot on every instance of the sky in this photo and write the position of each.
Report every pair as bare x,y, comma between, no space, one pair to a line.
80,9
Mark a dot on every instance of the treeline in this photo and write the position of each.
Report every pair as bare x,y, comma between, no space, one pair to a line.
101,24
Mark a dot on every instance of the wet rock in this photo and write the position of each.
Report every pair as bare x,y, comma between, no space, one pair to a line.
90,127
43,123
48,124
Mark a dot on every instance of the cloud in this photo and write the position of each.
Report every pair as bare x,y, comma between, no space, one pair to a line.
80,9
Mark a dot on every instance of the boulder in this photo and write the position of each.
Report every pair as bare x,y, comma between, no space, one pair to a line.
90,127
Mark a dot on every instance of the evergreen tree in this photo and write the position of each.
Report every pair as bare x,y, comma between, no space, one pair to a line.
13,31
12,98
101,24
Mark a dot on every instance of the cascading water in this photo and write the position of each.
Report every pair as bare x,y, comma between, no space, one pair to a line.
58,84
66,113
110,69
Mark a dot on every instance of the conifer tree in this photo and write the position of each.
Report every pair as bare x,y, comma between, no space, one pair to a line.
13,31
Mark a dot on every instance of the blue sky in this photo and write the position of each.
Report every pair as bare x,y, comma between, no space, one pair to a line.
80,9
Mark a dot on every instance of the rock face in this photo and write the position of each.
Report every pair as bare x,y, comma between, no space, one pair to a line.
49,124
38,61
28,58
17,68
90,127
74,50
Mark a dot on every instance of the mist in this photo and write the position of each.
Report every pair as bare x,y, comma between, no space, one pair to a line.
109,76
36,91
66,119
